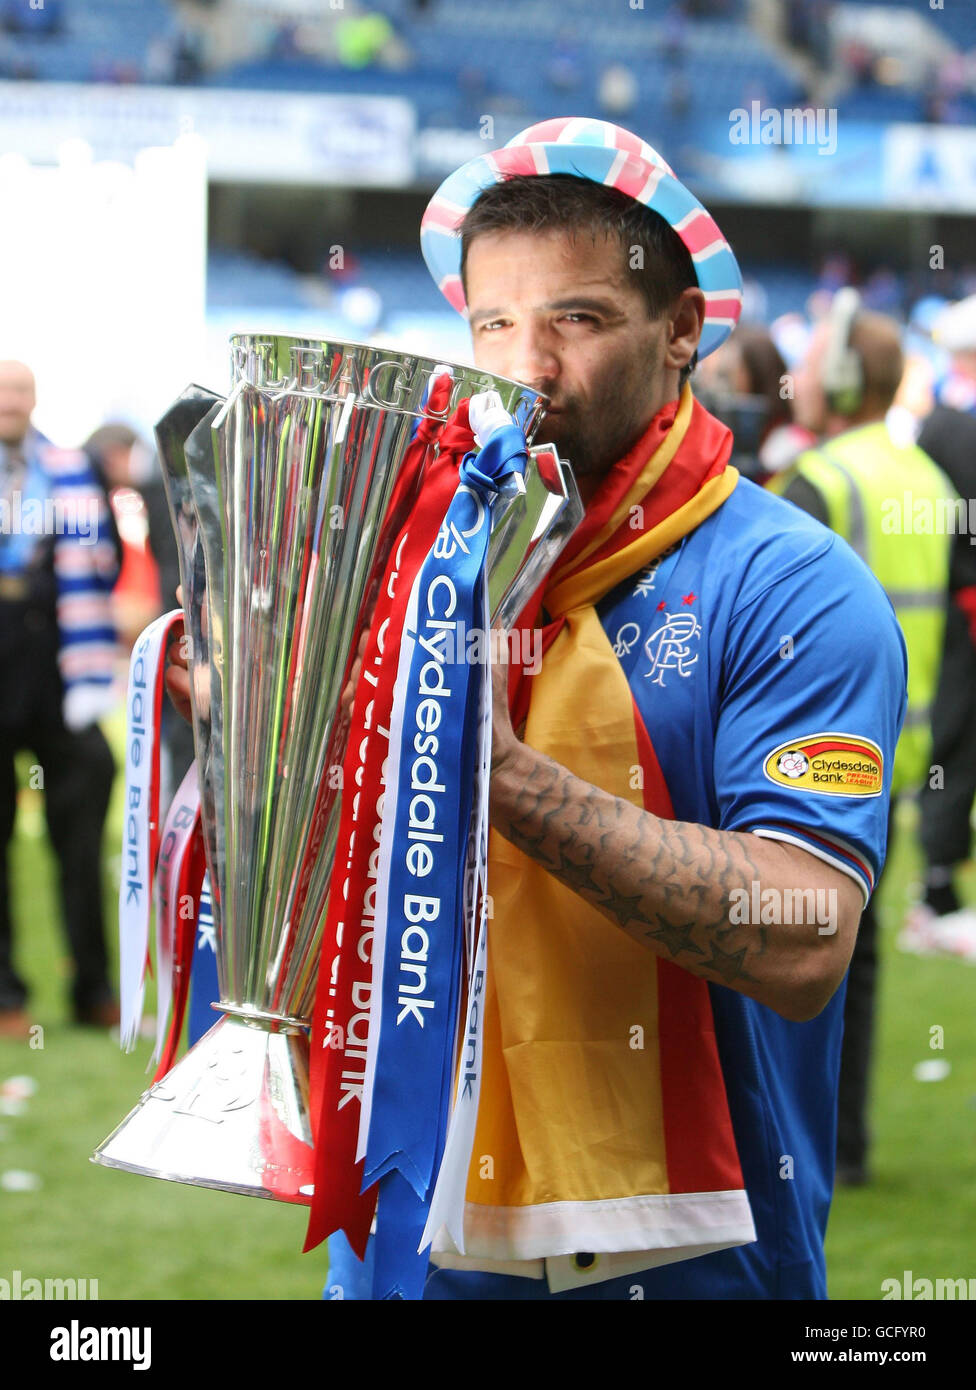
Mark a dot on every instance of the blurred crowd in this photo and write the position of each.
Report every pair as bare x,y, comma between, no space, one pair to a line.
187,45
819,51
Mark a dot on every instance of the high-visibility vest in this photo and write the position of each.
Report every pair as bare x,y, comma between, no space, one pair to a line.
897,510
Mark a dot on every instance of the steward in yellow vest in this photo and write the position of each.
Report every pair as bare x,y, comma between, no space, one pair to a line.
895,508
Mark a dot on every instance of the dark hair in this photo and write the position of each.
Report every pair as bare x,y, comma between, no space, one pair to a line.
565,203
765,367
562,202
876,338
114,435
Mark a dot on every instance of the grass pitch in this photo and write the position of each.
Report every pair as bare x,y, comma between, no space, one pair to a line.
144,1239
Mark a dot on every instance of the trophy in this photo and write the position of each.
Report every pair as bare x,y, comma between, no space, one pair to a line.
286,498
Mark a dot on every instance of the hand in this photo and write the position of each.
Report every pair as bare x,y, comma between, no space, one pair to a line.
176,676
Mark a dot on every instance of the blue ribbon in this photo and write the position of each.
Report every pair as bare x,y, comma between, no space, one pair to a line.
421,979
204,986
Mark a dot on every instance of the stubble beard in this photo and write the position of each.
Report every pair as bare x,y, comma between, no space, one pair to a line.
589,456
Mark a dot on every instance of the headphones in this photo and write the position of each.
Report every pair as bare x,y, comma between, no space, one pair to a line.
842,373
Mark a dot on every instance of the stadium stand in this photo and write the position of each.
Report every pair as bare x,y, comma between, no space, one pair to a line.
106,40
456,60
528,54
955,22
400,279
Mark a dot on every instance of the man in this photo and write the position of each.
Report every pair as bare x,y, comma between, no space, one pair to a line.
856,483
58,561
948,435
742,385
745,682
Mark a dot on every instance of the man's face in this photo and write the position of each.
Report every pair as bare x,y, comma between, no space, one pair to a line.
810,403
16,401
567,317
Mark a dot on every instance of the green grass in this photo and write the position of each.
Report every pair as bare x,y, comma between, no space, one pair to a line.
143,1239
919,1211
140,1238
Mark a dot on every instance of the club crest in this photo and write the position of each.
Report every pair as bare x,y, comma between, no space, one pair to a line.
673,646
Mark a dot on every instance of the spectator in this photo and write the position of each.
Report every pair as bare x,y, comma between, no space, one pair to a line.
136,597
945,808
57,653
177,736
361,40
750,389
852,371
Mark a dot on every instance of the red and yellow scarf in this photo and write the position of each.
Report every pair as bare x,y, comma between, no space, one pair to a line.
603,1124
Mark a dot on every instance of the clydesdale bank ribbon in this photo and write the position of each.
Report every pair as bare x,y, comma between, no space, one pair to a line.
163,866
141,836
423,879
420,927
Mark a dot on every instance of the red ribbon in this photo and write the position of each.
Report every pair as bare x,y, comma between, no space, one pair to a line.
345,980
180,871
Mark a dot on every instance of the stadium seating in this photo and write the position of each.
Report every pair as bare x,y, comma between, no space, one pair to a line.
955,21
244,282
98,38
499,54
520,58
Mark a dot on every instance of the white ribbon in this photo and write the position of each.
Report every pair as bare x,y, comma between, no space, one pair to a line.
447,1203
141,814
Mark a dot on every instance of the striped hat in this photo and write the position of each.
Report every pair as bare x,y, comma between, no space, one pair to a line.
607,154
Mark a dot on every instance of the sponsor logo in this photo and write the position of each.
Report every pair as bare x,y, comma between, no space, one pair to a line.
792,764
835,764
648,577
627,638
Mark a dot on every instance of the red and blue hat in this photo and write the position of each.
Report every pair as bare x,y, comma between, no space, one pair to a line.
607,154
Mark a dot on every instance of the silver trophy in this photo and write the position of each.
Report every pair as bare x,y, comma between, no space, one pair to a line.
286,497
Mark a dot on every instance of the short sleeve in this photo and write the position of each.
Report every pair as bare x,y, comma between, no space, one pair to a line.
812,699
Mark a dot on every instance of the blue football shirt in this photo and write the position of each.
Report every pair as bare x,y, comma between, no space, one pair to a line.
770,672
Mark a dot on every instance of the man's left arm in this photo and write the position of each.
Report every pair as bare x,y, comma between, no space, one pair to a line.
672,885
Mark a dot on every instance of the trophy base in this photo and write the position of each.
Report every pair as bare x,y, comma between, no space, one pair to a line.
231,1114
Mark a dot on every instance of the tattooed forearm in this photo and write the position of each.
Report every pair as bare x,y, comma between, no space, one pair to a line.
669,884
